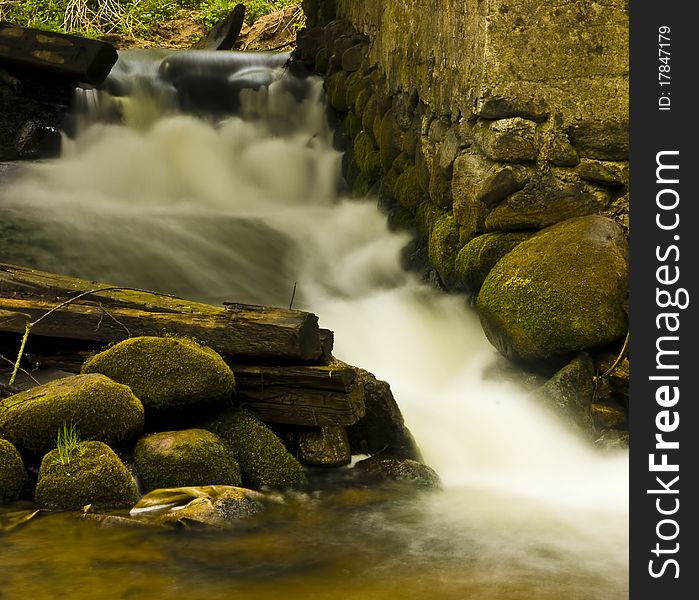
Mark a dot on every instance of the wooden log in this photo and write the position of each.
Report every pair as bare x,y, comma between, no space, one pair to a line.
110,315
224,33
302,406
68,57
335,377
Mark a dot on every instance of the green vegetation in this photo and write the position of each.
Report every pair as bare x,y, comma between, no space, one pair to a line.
66,443
140,18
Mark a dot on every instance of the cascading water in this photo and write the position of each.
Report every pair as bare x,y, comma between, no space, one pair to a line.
242,208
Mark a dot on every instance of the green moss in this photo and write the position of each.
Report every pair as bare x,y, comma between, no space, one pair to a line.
352,125
97,406
367,157
356,82
407,190
192,457
361,102
261,454
13,475
443,245
95,475
336,88
166,371
361,186
559,292
480,255
425,217
390,139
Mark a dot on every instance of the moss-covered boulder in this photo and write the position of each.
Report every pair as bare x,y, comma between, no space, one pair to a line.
336,88
262,456
559,292
99,408
443,246
91,474
475,260
192,457
407,189
13,475
367,157
166,372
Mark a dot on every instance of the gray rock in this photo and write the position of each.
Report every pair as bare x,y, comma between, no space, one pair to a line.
403,470
508,140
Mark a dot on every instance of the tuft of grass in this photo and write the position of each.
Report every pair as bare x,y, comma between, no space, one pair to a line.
67,442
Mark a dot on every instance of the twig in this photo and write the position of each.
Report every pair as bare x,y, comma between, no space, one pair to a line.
618,359
28,326
293,295
27,373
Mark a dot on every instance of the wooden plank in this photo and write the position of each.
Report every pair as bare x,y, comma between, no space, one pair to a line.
69,57
335,377
109,315
299,406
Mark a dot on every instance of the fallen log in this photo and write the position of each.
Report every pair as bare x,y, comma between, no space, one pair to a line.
68,57
97,312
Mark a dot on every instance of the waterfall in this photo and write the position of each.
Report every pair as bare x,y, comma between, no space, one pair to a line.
217,207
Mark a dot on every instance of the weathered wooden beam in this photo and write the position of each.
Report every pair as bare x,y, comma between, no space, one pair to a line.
335,377
109,315
303,406
68,57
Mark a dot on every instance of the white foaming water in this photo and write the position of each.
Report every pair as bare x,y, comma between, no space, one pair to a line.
244,208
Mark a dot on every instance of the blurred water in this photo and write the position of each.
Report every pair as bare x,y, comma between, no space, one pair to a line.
242,208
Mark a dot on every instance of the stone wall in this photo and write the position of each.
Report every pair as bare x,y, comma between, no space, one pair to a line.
478,117
479,123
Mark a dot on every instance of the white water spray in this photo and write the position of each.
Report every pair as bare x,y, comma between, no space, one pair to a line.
244,208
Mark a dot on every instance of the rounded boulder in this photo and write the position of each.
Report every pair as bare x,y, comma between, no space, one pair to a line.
99,408
91,473
559,292
166,372
192,457
13,475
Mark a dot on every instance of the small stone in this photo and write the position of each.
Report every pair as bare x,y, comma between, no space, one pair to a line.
324,447
508,140
402,470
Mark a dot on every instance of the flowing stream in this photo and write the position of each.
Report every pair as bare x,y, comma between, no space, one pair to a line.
243,208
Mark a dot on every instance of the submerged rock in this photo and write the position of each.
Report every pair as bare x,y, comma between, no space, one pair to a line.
559,292
96,406
262,456
181,458
213,505
399,469
166,372
570,392
13,475
90,474
324,447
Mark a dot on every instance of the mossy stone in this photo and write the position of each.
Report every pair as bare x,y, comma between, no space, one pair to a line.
94,475
475,260
262,456
559,292
408,192
166,372
13,475
336,87
356,82
425,217
352,125
361,102
99,408
443,245
191,457
361,185
367,157
390,139
403,470
322,62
